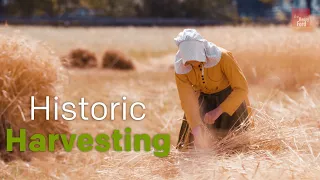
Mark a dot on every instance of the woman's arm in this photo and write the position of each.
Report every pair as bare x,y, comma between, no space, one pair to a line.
189,100
237,81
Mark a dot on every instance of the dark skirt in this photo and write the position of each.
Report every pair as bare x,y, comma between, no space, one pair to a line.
221,126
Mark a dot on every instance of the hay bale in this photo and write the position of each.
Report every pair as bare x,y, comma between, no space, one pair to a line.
116,60
80,58
28,69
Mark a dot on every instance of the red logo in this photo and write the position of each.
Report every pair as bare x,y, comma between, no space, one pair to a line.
300,17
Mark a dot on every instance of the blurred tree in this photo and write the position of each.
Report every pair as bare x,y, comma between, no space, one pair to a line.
28,8
223,10
63,6
121,8
197,8
114,8
268,1
163,8
254,8
308,4
44,7
1,8
204,9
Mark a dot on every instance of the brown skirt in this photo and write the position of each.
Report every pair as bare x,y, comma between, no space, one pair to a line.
221,126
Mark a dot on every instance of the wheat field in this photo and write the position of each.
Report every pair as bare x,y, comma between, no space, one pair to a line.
281,65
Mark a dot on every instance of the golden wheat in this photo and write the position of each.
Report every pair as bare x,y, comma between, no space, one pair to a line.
27,69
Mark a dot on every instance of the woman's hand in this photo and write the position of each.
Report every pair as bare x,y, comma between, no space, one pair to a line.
211,116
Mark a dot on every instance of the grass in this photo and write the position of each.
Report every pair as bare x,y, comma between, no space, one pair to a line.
281,66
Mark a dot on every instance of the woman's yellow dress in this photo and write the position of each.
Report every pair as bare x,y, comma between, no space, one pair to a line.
203,89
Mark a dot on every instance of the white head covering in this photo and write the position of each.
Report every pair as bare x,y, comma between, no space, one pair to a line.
192,46
192,50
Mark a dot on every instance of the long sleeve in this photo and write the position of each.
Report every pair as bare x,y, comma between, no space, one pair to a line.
189,100
237,81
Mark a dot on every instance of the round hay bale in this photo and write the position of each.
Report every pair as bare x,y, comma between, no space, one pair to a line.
80,58
28,69
116,60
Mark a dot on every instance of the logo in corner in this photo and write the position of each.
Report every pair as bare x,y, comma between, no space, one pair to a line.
300,18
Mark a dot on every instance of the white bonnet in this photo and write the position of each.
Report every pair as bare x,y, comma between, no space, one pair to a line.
203,51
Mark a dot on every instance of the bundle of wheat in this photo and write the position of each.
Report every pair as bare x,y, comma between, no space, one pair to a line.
27,69
80,58
116,60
